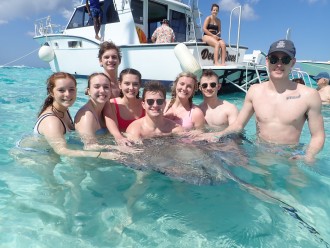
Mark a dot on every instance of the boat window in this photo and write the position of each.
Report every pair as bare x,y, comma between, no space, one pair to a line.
179,25
156,13
137,11
81,18
74,44
110,15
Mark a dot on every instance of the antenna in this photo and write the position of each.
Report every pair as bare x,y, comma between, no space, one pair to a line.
288,34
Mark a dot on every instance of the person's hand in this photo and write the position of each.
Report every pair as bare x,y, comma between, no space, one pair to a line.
111,156
123,142
129,150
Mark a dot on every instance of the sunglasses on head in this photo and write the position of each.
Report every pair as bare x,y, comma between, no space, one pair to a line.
204,85
151,102
274,59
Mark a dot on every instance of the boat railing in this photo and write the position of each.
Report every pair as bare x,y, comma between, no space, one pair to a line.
238,29
45,26
297,73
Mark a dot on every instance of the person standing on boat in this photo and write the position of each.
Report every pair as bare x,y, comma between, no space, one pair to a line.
180,108
322,80
281,106
153,123
212,33
110,59
54,119
163,34
94,10
218,113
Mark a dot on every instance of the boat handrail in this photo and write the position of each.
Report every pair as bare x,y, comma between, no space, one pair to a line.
297,73
238,30
44,26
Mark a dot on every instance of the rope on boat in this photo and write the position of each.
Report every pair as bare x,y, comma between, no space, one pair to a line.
21,57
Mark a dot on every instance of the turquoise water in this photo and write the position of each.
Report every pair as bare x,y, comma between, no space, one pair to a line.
252,197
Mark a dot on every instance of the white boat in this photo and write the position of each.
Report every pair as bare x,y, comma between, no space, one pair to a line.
127,23
314,67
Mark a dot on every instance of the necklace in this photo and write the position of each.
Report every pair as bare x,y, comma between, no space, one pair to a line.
57,112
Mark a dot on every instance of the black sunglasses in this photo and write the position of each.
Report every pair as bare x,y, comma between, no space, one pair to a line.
151,102
204,85
274,59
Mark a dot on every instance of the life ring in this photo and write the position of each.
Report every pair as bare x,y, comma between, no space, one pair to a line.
187,60
141,35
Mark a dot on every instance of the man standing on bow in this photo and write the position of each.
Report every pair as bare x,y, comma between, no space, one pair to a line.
94,11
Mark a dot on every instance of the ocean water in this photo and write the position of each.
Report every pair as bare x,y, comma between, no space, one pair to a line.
193,195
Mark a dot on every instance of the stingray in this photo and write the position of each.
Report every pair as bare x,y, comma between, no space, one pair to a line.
202,163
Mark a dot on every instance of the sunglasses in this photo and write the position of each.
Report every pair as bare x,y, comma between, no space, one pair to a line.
274,60
213,85
151,102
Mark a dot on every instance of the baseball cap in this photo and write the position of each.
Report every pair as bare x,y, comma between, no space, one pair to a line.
321,75
285,46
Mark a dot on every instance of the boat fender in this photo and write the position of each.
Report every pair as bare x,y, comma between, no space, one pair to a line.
141,35
46,53
187,60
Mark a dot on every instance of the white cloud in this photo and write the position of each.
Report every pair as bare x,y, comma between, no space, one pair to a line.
22,9
248,12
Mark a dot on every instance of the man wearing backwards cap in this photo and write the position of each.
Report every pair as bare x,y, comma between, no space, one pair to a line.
322,80
281,107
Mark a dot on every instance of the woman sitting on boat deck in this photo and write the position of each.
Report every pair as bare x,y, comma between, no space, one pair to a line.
212,33
123,110
54,119
110,59
180,108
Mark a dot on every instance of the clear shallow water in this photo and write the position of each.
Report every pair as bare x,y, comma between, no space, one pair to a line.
254,197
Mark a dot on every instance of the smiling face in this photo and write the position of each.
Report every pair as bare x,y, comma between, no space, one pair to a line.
99,89
209,86
214,11
185,87
64,93
277,68
110,60
130,85
154,103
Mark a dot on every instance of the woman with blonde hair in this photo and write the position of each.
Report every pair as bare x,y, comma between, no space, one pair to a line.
180,108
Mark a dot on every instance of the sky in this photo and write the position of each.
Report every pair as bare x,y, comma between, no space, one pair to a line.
263,22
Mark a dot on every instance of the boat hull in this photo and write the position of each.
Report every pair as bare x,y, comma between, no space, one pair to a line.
79,56
314,67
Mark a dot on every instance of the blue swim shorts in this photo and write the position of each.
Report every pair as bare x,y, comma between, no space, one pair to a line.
96,13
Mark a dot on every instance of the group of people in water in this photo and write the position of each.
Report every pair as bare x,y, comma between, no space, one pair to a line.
280,105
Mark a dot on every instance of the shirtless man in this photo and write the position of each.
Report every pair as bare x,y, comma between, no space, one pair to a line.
322,80
281,107
153,123
218,113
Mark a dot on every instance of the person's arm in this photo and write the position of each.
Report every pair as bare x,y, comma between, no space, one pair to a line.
133,131
88,9
237,126
232,114
198,118
154,36
53,130
219,25
316,126
112,124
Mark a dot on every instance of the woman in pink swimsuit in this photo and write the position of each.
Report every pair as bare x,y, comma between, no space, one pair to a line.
181,108
126,108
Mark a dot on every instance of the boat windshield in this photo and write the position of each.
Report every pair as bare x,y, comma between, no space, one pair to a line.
80,17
